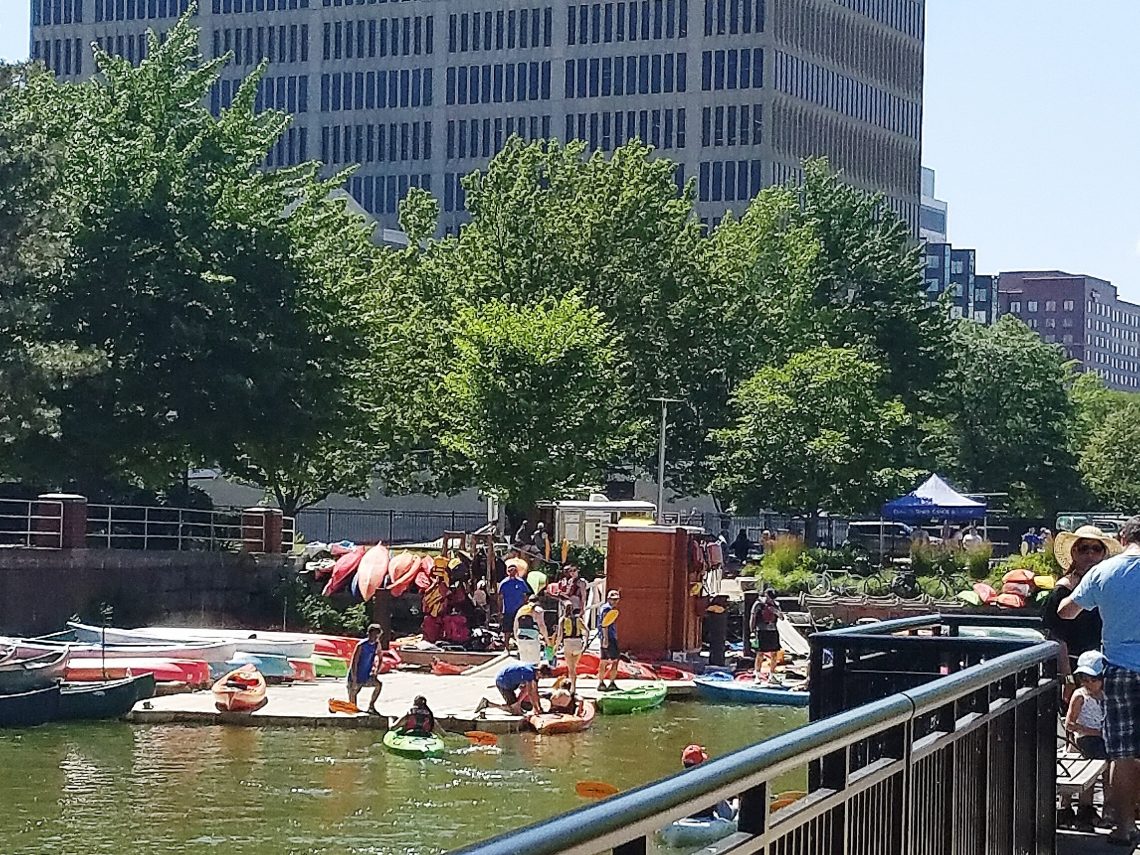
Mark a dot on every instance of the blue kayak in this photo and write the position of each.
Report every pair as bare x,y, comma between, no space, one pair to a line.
723,688
273,668
687,833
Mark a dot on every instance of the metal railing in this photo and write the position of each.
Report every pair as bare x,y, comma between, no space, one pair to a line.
376,526
179,529
964,763
31,522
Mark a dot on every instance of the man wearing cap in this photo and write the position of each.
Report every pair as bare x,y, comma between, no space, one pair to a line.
514,592
1113,587
1077,552
694,755
607,627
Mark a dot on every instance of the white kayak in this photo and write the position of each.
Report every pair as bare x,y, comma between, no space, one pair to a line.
205,651
290,645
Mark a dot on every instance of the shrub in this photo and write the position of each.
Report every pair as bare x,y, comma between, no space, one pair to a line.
977,560
590,561
783,554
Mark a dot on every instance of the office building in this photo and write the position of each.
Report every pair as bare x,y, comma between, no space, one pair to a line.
950,270
933,214
1083,315
422,92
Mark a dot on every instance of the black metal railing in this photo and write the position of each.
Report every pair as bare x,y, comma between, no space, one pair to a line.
375,526
962,763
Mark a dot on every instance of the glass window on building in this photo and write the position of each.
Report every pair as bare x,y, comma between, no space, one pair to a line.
980,316
1050,323
1032,323
1050,305
956,312
957,267
1067,339
1031,306
1067,323
1068,304
1015,307
933,261
981,295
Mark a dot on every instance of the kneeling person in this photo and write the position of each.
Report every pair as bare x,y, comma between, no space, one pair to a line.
517,683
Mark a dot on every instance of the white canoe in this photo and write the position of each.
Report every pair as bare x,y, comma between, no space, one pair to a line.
263,643
205,651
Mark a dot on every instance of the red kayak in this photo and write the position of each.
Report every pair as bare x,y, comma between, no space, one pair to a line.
550,723
589,664
402,571
190,671
345,566
241,690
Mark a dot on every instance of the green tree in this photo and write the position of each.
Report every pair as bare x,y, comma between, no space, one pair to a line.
534,403
1106,462
1007,416
548,221
236,307
811,434
33,252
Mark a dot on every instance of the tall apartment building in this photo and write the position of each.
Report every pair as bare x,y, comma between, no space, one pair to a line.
1083,315
933,213
950,270
422,92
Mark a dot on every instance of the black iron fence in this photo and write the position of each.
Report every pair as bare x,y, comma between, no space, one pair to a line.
959,762
374,526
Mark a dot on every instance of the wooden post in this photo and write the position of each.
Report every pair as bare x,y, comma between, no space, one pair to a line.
382,615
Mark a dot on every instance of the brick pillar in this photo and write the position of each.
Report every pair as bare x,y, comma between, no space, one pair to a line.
63,521
261,530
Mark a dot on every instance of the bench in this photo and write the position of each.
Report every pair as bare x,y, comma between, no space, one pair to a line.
1075,774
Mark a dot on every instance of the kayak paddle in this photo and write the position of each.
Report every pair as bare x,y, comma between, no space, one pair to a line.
595,789
482,737
338,706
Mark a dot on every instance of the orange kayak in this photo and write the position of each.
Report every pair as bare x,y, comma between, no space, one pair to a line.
551,723
241,690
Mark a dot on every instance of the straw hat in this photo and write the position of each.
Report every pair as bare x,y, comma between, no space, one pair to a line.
1064,541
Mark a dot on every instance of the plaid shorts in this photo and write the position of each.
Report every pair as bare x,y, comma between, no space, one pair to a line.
1121,712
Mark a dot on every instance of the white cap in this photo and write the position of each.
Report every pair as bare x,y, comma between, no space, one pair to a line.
1090,663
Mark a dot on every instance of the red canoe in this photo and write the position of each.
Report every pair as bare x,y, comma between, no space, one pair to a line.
193,672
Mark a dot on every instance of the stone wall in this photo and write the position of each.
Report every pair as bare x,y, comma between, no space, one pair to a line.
40,589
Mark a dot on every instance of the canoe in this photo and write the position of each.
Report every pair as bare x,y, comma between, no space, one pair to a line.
193,672
18,676
722,688
244,641
275,669
108,700
551,723
413,747
241,690
373,571
632,700
303,670
207,651
27,709
329,666
691,833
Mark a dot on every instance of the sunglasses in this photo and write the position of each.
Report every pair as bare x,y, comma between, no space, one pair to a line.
1087,548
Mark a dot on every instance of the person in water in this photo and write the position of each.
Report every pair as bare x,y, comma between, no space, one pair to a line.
419,720
517,683
571,635
364,669
695,755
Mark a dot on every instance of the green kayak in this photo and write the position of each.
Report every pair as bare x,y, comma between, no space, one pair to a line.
415,747
632,700
329,666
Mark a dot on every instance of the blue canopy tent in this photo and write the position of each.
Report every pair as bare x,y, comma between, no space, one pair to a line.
934,499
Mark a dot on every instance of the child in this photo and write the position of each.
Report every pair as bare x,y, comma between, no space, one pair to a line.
1085,720
419,720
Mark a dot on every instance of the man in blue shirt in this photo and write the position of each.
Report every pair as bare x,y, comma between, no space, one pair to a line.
517,682
1113,587
514,592
364,668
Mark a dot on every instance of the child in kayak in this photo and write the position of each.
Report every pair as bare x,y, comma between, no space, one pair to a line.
419,720
517,683
364,668
694,755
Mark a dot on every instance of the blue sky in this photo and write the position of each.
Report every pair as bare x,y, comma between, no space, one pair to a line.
1031,122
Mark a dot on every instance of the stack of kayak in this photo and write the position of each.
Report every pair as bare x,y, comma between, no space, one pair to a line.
723,688
589,664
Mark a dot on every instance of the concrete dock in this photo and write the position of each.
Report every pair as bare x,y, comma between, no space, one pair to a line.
452,698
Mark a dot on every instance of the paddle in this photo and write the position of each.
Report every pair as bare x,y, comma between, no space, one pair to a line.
595,789
482,737
339,706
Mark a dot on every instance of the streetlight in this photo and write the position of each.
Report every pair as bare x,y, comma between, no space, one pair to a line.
665,402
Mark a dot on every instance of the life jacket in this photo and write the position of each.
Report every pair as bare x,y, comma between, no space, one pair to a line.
526,617
573,628
419,721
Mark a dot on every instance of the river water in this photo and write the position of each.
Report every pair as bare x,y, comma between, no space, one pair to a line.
117,789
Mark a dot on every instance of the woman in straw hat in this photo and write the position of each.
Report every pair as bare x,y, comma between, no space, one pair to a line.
1077,552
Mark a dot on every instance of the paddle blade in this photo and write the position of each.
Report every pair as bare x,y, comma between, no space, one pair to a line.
338,706
785,799
595,789
481,737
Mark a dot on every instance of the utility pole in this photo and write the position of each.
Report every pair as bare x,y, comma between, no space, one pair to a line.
665,402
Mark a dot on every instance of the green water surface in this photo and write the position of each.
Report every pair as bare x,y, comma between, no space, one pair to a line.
118,789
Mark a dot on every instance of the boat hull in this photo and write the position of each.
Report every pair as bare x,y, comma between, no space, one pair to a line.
241,690
552,723
688,833
632,700
206,651
27,709
413,747
266,643
723,689
31,674
107,700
